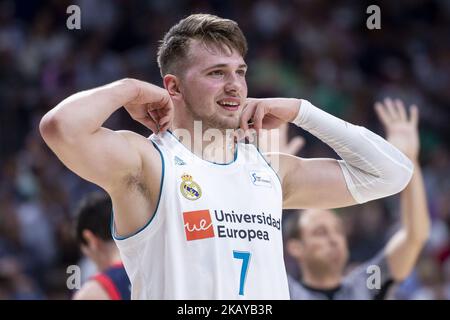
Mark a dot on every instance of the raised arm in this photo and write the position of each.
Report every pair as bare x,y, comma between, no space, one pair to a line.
110,159
370,168
404,247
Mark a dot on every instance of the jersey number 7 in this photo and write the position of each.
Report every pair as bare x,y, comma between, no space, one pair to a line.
245,256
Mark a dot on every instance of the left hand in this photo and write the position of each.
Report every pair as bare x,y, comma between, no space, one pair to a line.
268,113
401,130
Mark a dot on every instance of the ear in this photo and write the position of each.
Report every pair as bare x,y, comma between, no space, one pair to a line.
91,239
172,85
295,248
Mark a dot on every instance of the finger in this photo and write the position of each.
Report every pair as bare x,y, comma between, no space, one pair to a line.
258,118
247,114
165,107
401,111
164,120
382,113
165,127
149,123
390,109
284,134
154,115
414,115
153,118
295,145
162,103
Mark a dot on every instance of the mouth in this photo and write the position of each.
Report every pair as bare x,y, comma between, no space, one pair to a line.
230,104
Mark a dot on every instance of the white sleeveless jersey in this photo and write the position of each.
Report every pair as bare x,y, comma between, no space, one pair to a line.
216,232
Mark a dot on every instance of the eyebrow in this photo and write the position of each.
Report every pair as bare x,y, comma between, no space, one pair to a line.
222,65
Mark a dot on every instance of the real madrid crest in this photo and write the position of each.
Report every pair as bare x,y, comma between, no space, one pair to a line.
189,188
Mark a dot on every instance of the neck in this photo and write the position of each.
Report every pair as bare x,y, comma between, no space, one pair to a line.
109,256
321,280
210,144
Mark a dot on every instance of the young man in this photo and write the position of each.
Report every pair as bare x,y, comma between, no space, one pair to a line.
205,223
94,236
316,238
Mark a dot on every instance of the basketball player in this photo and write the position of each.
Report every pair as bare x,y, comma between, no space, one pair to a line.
94,235
317,240
205,222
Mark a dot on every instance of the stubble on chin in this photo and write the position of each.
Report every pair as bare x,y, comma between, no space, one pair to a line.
222,123
215,120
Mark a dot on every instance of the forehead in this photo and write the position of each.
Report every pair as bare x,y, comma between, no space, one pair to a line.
202,56
316,218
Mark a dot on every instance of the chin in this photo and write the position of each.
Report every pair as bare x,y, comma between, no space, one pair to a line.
225,123
233,125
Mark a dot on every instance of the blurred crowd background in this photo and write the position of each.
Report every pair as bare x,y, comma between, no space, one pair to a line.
318,50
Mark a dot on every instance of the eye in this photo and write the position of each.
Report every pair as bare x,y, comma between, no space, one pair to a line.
241,73
320,232
216,73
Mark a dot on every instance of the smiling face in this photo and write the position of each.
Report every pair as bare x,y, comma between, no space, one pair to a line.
213,86
324,241
322,246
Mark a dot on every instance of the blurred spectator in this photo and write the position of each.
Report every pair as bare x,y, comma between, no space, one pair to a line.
316,238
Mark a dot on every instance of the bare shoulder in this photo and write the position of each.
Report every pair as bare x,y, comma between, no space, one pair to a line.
138,141
149,154
91,290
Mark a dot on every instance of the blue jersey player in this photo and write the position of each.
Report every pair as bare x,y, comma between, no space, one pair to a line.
94,236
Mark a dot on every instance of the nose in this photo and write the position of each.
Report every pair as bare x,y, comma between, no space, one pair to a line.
334,240
233,85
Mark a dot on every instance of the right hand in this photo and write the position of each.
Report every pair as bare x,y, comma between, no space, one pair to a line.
151,106
401,129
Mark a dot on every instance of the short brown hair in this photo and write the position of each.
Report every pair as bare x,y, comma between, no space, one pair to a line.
292,229
206,28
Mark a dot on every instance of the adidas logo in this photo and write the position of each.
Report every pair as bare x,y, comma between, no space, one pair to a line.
178,161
